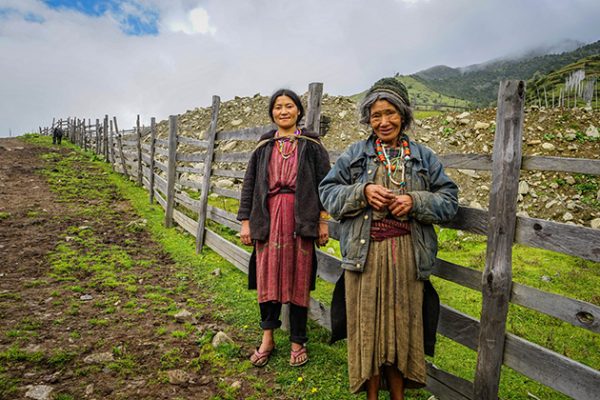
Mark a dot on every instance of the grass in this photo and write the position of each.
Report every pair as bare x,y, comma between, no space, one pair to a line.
325,377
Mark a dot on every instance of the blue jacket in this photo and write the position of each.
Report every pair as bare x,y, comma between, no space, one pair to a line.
342,192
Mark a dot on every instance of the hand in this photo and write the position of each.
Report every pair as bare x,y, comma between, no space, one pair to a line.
378,196
401,205
245,233
323,233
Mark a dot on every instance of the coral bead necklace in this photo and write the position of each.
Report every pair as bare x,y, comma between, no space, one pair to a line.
282,139
394,163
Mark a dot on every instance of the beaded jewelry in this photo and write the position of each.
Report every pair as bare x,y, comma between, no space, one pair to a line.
288,138
394,163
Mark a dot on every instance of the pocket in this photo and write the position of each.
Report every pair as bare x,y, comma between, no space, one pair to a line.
422,181
357,168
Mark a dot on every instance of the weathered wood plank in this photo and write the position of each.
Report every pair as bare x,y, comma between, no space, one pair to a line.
161,183
130,143
497,277
162,151
188,224
191,184
554,370
481,162
193,142
313,112
171,171
446,386
208,160
242,157
229,251
121,155
562,164
161,166
469,219
568,239
162,142
234,194
194,157
228,173
184,199
223,217
160,199
248,134
191,170
138,145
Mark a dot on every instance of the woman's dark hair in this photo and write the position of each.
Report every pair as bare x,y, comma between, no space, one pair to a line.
292,95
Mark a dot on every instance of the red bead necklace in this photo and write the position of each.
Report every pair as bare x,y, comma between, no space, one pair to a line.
397,162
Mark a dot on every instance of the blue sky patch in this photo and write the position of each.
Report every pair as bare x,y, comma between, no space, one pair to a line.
143,22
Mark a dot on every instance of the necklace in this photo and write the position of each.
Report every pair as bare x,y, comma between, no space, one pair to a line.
395,163
293,139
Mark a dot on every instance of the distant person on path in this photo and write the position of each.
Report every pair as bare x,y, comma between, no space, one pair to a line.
281,214
57,134
387,192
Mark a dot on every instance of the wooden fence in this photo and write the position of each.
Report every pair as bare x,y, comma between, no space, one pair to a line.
170,175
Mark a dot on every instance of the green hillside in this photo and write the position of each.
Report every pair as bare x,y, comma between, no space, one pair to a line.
479,83
424,98
546,89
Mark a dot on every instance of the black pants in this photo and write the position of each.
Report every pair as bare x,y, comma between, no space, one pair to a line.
269,315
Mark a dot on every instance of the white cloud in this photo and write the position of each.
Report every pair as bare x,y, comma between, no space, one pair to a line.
76,65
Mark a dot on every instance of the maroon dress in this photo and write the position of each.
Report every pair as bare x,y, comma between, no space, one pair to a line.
283,262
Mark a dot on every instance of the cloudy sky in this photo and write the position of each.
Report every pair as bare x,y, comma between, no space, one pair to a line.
88,58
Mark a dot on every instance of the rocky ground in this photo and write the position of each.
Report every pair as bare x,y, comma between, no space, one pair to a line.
570,198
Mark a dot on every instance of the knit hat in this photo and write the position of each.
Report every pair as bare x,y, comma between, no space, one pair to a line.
390,89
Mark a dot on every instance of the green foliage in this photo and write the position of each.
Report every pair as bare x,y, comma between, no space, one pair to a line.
479,84
4,215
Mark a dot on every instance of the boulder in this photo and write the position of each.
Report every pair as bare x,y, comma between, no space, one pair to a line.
592,132
39,392
481,125
221,338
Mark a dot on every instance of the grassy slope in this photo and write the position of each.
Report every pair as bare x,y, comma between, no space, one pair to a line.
423,96
325,377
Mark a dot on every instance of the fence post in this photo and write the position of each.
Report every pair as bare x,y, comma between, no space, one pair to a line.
497,277
111,144
105,141
313,113
139,151
152,152
210,151
97,136
120,146
171,171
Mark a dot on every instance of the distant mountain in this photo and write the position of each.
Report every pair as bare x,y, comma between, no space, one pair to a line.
479,83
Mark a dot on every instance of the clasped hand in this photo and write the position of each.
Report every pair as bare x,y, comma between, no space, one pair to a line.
379,197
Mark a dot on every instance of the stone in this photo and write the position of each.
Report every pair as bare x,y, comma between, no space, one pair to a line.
342,114
598,195
522,214
463,115
534,142
183,315
229,146
464,121
570,180
570,137
485,148
523,187
449,119
236,122
99,358
592,132
545,278
595,223
237,385
216,272
469,172
481,125
475,204
221,338
178,377
224,184
548,146
567,216
89,389
39,392
86,297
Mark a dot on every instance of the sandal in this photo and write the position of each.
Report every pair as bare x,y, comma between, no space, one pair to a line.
295,355
261,358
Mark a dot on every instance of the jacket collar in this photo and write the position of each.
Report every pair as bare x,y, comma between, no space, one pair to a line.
305,132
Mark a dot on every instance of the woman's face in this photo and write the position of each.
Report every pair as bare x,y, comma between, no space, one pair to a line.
386,121
285,112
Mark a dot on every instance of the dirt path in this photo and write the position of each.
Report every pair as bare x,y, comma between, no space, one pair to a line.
89,302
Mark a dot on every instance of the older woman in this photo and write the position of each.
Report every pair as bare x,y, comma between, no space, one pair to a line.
281,213
387,191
